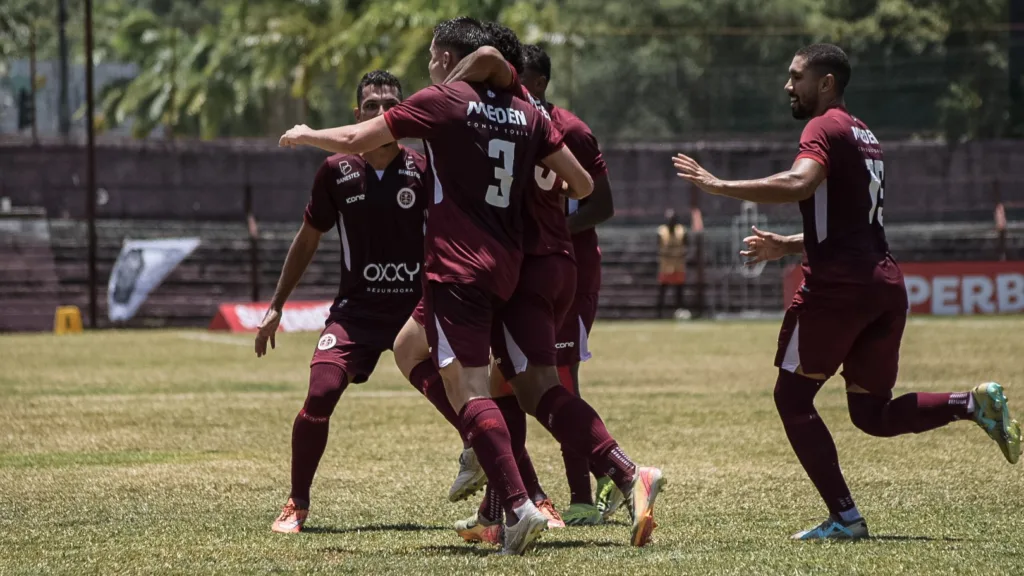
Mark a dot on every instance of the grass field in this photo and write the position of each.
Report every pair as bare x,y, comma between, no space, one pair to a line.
168,452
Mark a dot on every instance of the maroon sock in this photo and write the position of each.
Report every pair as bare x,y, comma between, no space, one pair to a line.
515,419
490,507
488,434
811,440
910,413
578,428
309,432
577,469
425,378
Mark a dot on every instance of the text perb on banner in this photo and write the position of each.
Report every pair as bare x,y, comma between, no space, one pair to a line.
308,316
951,288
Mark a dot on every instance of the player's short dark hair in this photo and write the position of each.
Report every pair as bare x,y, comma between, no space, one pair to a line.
828,59
505,40
378,78
536,60
462,35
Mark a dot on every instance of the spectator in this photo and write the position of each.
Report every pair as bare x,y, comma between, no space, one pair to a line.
671,259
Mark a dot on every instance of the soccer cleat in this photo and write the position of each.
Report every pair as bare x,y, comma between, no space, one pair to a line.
583,515
609,497
473,529
647,483
547,508
517,539
993,415
471,477
291,519
835,529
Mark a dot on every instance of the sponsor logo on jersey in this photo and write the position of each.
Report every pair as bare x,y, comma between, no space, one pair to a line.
355,198
391,272
410,164
344,179
327,341
345,167
564,345
406,198
497,114
864,136
410,173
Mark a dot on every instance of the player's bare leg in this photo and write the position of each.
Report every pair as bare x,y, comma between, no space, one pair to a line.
412,355
575,424
309,439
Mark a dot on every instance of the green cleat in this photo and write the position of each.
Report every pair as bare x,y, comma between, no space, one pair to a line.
609,497
993,415
582,515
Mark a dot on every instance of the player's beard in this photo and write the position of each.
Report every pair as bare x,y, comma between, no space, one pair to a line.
800,109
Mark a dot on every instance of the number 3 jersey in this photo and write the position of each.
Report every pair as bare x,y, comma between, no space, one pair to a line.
843,234
482,146
380,221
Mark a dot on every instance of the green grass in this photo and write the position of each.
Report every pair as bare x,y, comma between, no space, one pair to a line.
168,452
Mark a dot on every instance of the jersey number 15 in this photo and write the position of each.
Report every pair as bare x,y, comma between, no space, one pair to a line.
876,189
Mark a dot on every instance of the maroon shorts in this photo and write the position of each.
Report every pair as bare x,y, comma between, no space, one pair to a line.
458,323
572,343
526,327
355,345
859,327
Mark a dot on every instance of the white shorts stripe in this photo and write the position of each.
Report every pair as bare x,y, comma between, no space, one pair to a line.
515,353
791,360
445,354
584,341
344,241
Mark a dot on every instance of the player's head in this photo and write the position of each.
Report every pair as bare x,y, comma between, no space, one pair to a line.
506,41
377,92
817,78
671,218
454,40
536,70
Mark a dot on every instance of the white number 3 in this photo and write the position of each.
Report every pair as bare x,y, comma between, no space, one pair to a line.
876,189
505,151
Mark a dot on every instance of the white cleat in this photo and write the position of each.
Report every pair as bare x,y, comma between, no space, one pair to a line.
833,529
471,478
518,539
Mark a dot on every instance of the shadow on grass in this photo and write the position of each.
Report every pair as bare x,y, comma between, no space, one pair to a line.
898,538
465,550
372,528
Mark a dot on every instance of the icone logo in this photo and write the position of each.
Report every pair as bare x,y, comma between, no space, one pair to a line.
390,272
564,345
355,198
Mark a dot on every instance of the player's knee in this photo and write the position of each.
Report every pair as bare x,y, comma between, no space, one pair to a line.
794,394
868,414
410,347
326,383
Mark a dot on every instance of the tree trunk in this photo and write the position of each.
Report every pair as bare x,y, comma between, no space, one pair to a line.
32,80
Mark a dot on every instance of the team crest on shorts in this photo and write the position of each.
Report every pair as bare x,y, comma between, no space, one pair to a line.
406,198
327,341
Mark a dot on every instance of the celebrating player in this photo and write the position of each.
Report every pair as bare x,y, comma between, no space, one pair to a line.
852,307
377,201
482,144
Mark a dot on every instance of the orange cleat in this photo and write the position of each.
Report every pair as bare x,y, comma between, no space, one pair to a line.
473,530
291,519
548,510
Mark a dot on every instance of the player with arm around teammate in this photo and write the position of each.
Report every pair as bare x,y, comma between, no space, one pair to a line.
852,308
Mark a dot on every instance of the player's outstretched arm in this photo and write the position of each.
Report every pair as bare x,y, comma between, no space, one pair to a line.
568,168
598,208
353,139
767,246
796,184
303,247
485,65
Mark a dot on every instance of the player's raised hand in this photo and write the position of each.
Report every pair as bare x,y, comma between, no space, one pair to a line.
291,138
763,247
267,331
689,169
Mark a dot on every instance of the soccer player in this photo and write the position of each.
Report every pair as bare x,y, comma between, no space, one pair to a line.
376,200
524,342
481,144
852,307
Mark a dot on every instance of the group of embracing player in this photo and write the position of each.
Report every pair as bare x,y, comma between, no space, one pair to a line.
487,302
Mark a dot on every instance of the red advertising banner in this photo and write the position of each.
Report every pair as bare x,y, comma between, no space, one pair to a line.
296,317
951,288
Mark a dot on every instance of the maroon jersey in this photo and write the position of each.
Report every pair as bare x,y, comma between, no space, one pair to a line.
380,218
545,231
482,145
583,145
843,234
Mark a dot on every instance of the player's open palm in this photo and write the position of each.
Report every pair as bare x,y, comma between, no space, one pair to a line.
266,331
689,169
763,247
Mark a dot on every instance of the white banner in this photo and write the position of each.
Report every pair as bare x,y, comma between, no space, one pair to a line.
141,267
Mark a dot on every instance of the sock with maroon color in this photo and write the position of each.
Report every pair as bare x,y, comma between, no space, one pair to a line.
515,419
490,507
578,428
425,378
309,432
811,440
577,469
488,434
909,414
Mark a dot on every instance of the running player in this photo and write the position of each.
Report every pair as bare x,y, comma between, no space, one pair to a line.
482,144
376,200
852,307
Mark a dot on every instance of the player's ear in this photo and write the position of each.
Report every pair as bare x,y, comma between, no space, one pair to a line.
828,82
543,84
357,115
